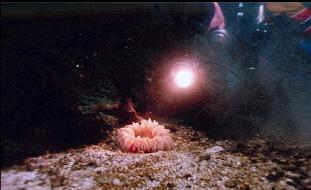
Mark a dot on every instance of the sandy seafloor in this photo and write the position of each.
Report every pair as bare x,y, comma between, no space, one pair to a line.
196,162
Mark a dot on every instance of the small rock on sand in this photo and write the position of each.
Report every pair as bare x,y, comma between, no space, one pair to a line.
116,181
214,150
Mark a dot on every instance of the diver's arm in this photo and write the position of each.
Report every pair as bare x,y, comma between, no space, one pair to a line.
296,11
300,14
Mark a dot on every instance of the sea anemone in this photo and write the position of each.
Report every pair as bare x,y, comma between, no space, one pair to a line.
146,136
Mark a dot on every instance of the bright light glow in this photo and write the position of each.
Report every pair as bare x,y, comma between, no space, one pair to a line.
184,78
260,16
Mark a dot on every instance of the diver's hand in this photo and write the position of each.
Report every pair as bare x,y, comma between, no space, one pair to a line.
127,113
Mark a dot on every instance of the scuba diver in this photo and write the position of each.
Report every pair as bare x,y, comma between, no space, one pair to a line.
185,20
254,82
252,29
